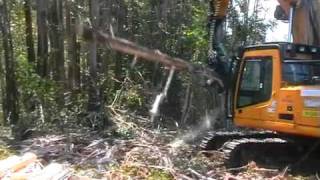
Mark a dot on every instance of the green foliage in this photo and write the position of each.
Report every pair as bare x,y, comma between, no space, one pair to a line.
18,28
124,133
145,173
32,85
158,174
38,96
196,35
133,98
246,26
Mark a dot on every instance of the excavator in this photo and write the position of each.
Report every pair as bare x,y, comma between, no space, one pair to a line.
271,86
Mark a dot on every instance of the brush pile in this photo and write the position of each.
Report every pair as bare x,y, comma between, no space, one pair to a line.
130,150
147,155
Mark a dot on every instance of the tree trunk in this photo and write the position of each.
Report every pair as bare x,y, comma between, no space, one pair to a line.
29,33
56,36
120,13
77,67
94,105
2,87
42,60
11,100
73,47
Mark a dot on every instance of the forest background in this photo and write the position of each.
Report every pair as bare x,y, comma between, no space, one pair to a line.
51,78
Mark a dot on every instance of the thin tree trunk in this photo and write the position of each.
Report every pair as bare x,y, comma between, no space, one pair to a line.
72,45
118,72
94,104
77,67
42,60
160,27
11,99
246,22
105,56
29,33
2,87
57,40
121,15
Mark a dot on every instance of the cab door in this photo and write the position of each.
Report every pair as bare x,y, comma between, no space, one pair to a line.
255,97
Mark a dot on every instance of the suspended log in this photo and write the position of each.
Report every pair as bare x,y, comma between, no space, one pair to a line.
143,53
128,47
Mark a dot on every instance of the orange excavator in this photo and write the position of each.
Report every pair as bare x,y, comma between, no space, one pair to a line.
270,86
276,85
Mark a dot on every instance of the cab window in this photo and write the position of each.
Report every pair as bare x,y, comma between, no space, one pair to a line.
301,72
256,82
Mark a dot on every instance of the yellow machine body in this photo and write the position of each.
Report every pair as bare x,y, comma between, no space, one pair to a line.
273,92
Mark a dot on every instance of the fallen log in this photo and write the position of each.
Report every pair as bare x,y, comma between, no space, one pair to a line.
53,171
15,163
139,52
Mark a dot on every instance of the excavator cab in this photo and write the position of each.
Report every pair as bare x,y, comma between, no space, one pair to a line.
278,88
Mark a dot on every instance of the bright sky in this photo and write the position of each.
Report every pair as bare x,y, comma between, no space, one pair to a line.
280,32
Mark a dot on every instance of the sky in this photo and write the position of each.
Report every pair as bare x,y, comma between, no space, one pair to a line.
280,32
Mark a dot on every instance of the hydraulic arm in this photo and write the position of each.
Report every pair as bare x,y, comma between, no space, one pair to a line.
216,53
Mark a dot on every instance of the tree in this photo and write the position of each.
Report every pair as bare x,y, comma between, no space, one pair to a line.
243,28
56,37
94,104
11,96
29,31
120,14
172,26
2,88
43,54
73,46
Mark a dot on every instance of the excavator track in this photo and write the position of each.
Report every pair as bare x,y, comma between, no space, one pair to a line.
215,140
239,152
265,148
241,147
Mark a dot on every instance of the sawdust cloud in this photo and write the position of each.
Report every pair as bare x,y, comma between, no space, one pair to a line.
207,122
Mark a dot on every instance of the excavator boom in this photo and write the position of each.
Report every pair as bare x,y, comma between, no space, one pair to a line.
219,8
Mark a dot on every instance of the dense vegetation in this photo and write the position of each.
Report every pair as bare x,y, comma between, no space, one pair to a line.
51,77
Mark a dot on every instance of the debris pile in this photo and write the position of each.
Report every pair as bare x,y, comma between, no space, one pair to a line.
148,154
132,152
